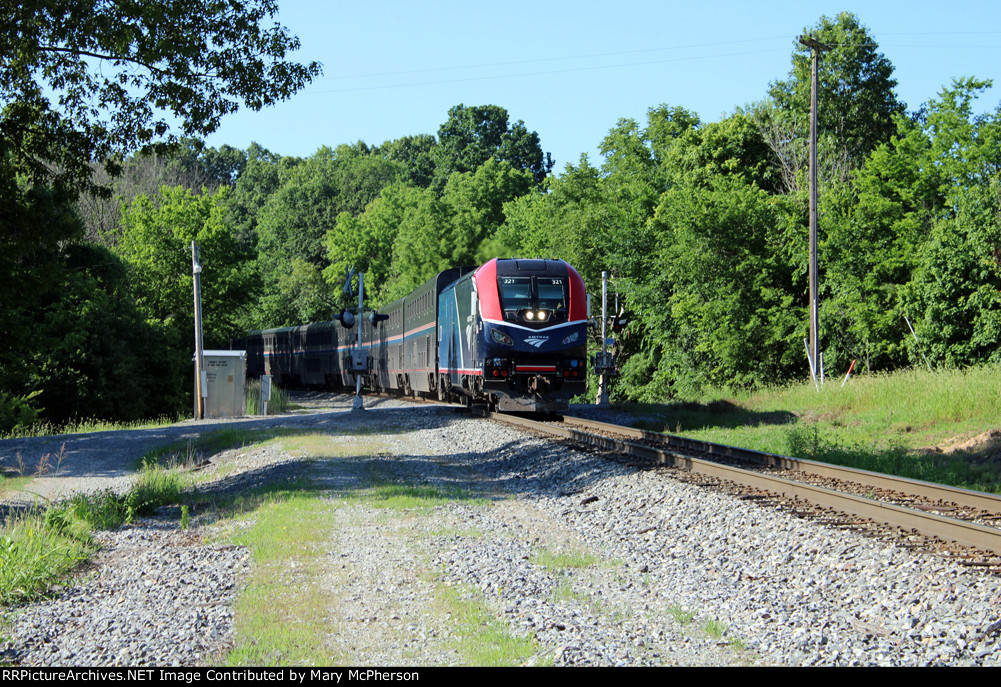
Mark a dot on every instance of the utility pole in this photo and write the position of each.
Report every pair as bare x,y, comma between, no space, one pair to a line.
816,47
196,272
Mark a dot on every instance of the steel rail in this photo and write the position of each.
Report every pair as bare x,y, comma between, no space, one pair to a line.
964,497
949,529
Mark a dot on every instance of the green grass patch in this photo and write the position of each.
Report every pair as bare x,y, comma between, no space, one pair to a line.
681,615
478,636
39,548
45,429
563,560
890,423
278,404
281,615
714,628
37,551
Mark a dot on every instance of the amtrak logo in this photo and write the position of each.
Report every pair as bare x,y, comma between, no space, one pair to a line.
536,341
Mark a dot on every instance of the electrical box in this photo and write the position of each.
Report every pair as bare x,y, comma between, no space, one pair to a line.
224,378
604,363
359,362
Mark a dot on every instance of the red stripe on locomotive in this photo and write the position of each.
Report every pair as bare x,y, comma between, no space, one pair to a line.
486,289
578,296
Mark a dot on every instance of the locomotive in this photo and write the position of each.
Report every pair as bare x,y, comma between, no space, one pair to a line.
510,335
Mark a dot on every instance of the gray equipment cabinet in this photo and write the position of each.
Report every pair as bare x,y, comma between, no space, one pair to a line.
225,376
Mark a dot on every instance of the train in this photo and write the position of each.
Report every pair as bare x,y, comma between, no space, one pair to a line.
510,335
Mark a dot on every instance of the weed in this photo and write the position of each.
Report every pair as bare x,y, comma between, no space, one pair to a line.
185,517
479,637
40,547
563,560
278,404
680,614
714,628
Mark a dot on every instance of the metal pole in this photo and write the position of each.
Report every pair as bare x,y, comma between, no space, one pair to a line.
196,271
815,48
602,399
358,404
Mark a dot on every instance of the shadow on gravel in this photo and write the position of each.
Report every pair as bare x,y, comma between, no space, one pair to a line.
683,415
90,457
116,452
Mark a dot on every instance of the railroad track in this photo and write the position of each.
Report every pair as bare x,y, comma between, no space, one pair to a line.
959,523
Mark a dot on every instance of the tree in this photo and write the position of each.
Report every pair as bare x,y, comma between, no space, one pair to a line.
294,221
919,238
365,242
473,135
719,310
416,154
856,99
454,229
85,80
156,245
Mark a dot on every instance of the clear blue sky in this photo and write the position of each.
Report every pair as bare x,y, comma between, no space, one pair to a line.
570,70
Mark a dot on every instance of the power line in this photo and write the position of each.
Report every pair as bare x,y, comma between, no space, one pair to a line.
648,50
547,59
540,73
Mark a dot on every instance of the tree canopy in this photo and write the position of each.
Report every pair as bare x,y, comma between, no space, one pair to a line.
84,80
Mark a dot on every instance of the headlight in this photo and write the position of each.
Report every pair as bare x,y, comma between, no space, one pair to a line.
570,339
542,315
501,338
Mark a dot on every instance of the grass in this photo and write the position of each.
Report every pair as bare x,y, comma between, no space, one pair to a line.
278,404
281,613
889,423
563,560
44,429
478,636
40,547
284,617
714,628
680,614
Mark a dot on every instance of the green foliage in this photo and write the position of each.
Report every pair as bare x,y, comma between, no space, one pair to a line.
918,238
278,404
417,154
296,218
35,552
39,548
86,80
156,245
408,235
473,135
366,242
856,99
717,310
94,354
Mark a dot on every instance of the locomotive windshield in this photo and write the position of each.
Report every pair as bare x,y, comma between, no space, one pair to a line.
534,299
552,293
516,292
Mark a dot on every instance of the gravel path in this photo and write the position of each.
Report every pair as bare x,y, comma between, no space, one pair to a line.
668,574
